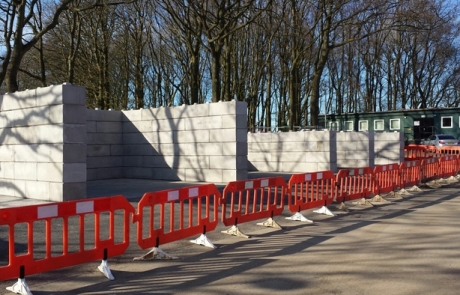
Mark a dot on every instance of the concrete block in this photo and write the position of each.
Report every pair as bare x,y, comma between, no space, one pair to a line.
61,192
261,137
168,125
33,152
137,161
7,153
71,114
74,153
105,138
139,172
73,94
162,113
317,157
149,161
264,166
136,126
357,155
223,162
290,136
103,116
109,127
201,123
109,173
74,172
50,95
234,122
234,149
6,171
116,150
49,172
74,133
135,138
19,100
222,135
91,126
104,162
139,150
25,171
98,150
232,175
159,137
260,157
194,111
389,136
207,175
192,136
131,115
37,190
296,167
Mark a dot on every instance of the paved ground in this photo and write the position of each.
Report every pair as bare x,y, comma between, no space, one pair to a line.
408,246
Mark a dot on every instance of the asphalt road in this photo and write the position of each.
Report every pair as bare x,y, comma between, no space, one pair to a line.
406,246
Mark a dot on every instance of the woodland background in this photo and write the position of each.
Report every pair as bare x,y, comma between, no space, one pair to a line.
289,60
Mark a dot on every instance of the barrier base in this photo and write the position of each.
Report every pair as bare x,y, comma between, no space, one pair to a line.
363,202
20,287
452,179
235,231
105,269
379,199
204,241
404,192
393,195
324,210
342,207
299,217
270,223
432,184
155,253
414,189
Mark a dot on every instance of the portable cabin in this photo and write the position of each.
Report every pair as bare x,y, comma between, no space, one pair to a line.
417,125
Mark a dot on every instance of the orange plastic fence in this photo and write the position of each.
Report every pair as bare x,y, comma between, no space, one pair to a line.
430,169
448,166
410,173
386,178
311,190
249,200
354,183
414,152
196,206
450,150
73,248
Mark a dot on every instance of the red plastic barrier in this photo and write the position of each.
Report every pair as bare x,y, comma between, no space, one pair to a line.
354,183
448,166
430,169
249,200
196,206
415,152
450,150
71,250
386,178
311,190
410,173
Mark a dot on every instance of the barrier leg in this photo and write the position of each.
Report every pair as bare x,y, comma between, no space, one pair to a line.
270,223
324,210
299,217
204,241
155,253
363,202
342,207
105,269
379,199
20,287
235,231
414,189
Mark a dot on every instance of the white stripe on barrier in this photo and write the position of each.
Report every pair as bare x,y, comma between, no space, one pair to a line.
264,183
47,211
85,207
307,177
319,175
248,184
174,195
193,192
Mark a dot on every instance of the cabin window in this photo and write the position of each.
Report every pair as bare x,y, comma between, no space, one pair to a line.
395,124
446,122
379,125
334,125
363,125
348,125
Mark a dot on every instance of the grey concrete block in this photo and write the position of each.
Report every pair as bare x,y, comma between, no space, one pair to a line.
109,127
168,125
205,123
139,150
231,121
131,115
37,190
261,137
98,150
49,172
74,153
151,162
7,153
73,94
105,162
235,149
6,171
50,95
234,175
74,133
137,161
68,114
192,136
91,127
168,174
74,172
224,108
116,150
25,171
136,127
103,116
139,172
19,100
207,175
61,192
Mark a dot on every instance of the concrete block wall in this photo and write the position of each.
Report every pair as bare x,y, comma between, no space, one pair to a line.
306,151
43,143
205,142
312,151
104,144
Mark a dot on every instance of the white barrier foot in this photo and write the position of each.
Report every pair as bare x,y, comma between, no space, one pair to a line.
155,253
415,189
393,195
379,199
363,202
324,210
20,287
452,179
433,184
204,241
235,231
299,217
342,207
270,223
105,269
404,192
